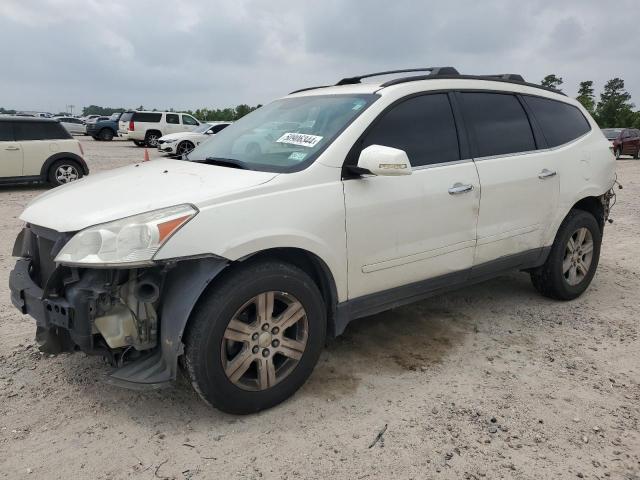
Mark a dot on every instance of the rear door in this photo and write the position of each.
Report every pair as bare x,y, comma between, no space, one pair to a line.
405,229
520,186
173,123
11,155
123,122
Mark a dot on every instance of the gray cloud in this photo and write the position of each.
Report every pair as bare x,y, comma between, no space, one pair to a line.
197,53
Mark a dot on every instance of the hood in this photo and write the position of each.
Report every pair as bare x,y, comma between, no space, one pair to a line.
139,188
176,136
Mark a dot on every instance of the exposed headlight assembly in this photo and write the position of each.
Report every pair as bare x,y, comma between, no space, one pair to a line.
131,241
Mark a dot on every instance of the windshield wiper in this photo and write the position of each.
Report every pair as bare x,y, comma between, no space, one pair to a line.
225,162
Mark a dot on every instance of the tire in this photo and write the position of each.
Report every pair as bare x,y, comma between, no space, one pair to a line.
637,154
138,143
151,139
552,279
184,147
618,153
106,134
97,139
207,359
64,171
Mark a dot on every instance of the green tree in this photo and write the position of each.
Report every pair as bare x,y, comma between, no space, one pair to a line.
97,110
614,108
552,81
586,96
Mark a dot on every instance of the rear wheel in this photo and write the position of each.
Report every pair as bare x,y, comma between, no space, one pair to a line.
64,171
637,154
106,134
573,258
618,153
151,139
184,147
255,338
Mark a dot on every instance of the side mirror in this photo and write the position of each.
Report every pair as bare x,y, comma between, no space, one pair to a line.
384,161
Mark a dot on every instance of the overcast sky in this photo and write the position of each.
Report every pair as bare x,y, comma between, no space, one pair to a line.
209,53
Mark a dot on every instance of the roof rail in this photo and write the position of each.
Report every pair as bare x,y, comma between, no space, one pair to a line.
514,77
433,72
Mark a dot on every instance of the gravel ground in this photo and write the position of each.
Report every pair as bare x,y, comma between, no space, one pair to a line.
492,381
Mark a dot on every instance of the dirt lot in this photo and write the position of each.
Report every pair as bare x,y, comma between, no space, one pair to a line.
491,381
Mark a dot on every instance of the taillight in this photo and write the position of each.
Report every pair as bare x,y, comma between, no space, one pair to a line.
131,127
81,150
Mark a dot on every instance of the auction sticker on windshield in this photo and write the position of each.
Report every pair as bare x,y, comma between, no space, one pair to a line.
301,139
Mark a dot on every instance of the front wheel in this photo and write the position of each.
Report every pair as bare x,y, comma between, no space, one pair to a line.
573,258
255,338
618,153
184,147
64,171
106,134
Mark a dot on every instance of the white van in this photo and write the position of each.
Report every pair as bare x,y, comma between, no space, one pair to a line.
146,128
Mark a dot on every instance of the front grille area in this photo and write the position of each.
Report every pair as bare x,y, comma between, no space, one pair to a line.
41,245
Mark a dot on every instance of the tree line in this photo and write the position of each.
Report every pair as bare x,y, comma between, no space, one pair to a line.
612,109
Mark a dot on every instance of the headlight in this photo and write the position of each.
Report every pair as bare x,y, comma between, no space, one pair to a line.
170,140
129,241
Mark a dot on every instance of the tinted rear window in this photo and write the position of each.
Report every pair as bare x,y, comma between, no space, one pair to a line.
498,123
6,132
147,117
421,126
39,131
560,122
126,116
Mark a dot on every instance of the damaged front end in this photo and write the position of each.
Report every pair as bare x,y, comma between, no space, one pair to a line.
133,317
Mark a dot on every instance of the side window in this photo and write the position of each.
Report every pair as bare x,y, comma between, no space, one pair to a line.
560,122
498,123
6,132
39,131
189,120
173,118
147,117
218,128
422,126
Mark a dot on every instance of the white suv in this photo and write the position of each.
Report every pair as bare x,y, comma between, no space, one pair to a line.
244,260
146,128
34,149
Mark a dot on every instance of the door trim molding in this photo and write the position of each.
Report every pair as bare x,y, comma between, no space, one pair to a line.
417,257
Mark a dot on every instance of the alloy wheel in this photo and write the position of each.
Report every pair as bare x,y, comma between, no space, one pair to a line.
184,148
578,256
264,341
66,174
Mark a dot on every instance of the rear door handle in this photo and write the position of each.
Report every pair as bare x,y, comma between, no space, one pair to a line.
546,174
457,188
12,148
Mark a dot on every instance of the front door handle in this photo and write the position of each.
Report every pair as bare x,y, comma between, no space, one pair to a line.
12,148
546,174
458,187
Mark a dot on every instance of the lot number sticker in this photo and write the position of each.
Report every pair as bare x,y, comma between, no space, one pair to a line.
301,139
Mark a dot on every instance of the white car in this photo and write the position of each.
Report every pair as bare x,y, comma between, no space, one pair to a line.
383,194
146,128
183,142
74,126
34,149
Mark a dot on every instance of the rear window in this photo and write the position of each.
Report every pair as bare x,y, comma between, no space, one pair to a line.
498,122
147,117
39,131
560,122
6,132
126,116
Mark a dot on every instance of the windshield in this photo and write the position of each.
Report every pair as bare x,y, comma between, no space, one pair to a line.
202,128
611,133
285,135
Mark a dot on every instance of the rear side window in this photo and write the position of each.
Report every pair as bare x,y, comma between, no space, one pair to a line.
188,120
560,122
39,131
422,126
498,123
147,117
6,132
173,118
218,128
126,116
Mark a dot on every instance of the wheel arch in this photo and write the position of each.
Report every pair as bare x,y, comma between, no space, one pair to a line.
594,206
44,170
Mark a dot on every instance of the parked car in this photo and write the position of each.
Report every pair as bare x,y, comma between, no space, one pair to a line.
244,263
86,118
96,119
146,128
74,126
624,141
104,129
183,142
34,149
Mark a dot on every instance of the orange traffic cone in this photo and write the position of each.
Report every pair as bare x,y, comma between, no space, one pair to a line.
146,155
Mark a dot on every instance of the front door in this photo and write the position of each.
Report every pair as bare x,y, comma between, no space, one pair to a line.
405,229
